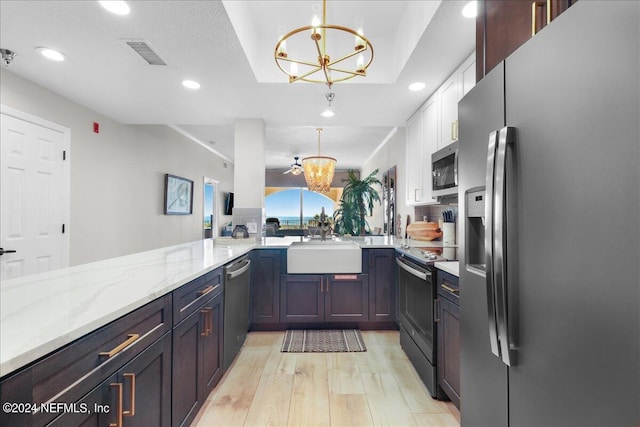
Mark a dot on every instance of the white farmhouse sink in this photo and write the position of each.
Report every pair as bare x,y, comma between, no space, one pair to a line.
320,257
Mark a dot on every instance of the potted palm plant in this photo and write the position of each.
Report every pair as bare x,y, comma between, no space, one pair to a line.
357,201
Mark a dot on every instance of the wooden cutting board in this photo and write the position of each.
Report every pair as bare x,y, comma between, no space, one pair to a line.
423,230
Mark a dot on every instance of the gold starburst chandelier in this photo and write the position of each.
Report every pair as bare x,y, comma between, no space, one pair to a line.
319,170
324,69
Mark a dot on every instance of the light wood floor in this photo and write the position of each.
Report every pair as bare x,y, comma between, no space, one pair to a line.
378,387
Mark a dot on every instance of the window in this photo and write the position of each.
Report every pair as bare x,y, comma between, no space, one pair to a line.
296,208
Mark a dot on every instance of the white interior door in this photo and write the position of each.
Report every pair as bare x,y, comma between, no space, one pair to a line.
34,206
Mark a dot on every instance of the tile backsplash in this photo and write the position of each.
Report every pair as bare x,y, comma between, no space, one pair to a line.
433,213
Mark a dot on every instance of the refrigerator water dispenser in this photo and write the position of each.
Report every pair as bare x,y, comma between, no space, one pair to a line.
474,228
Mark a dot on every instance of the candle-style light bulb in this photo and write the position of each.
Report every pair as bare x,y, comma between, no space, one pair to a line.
359,44
360,64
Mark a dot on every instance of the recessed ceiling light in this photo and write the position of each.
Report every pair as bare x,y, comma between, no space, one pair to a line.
470,10
190,84
51,54
328,113
117,7
416,86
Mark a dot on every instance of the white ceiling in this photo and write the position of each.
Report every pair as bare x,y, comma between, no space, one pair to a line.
228,48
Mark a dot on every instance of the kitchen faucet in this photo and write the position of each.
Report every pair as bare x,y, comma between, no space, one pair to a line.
323,225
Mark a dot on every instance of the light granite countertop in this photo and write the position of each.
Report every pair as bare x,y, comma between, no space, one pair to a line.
43,312
451,267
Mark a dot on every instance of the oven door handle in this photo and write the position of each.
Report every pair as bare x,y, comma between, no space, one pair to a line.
421,274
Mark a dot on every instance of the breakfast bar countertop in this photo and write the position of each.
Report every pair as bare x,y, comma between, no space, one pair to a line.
43,312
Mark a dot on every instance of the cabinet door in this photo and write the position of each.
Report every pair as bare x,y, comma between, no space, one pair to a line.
346,298
382,279
187,368
414,160
430,145
448,95
212,345
146,383
98,408
467,75
449,349
302,298
265,286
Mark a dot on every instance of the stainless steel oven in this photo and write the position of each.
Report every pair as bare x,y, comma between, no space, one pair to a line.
417,320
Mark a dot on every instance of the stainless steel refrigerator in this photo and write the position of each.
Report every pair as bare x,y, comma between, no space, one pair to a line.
550,191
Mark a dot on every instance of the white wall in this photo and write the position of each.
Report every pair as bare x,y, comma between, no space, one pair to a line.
392,153
117,176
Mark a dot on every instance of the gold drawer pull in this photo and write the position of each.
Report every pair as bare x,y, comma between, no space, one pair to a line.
450,289
132,402
205,290
118,423
132,338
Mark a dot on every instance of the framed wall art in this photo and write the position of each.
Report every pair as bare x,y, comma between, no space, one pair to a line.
178,195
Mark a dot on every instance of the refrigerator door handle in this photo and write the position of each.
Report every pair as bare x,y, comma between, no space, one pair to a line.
488,244
505,137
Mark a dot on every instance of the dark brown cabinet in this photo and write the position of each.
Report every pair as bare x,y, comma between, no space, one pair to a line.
139,394
312,298
346,298
503,25
449,336
265,285
382,279
197,359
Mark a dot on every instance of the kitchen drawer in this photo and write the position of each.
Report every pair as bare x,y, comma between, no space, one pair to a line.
71,372
448,287
190,297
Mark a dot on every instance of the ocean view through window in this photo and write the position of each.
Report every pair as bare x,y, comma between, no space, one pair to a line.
297,208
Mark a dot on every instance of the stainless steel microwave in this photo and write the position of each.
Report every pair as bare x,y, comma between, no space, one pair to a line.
444,171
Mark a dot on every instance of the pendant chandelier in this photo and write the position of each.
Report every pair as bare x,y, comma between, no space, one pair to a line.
319,170
324,69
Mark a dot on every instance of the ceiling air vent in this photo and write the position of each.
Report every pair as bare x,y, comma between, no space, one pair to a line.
143,49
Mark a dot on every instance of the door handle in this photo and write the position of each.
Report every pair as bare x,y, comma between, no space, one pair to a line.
132,399
534,14
488,243
8,251
505,138
118,387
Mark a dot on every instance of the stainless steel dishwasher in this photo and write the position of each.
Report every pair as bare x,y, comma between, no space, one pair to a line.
237,278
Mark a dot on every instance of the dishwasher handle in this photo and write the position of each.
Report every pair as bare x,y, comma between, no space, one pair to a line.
240,271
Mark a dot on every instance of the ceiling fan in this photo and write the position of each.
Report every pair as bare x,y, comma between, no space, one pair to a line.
296,168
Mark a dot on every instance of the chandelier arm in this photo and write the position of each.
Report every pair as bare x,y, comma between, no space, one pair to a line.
349,55
302,77
351,73
300,61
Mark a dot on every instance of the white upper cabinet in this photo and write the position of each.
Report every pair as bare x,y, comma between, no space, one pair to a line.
452,91
430,144
448,95
433,127
467,73
414,159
